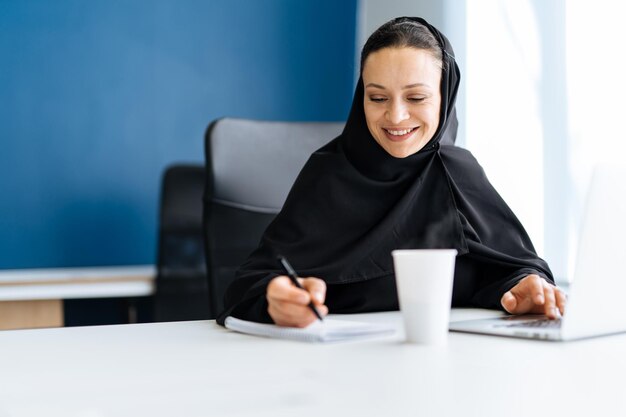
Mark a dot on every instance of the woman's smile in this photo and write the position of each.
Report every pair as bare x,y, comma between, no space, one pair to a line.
399,134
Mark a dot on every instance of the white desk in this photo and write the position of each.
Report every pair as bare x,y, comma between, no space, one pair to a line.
33,297
200,369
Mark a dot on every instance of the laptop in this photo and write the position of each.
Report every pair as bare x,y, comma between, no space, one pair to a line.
596,303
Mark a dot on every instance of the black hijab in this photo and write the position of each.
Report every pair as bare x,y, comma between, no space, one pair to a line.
353,203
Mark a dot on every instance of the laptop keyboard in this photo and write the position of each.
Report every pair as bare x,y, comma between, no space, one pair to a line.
537,324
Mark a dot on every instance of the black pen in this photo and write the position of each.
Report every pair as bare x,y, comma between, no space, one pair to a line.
291,273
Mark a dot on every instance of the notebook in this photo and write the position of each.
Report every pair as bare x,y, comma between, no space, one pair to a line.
329,330
595,304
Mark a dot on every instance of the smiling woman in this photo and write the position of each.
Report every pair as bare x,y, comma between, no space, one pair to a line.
390,181
402,112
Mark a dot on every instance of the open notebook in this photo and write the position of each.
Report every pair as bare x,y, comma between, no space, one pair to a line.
327,331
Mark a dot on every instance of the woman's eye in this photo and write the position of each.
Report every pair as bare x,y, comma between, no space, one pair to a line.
417,99
377,99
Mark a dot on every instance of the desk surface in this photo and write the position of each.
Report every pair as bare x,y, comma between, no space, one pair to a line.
199,369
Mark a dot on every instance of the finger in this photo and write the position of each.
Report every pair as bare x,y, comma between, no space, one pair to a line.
294,315
293,310
323,310
536,287
509,302
281,288
550,301
561,300
282,319
317,288
525,294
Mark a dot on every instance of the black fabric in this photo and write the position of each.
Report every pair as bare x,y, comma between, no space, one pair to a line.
232,233
353,203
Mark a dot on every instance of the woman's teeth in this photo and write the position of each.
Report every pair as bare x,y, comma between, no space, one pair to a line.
399,132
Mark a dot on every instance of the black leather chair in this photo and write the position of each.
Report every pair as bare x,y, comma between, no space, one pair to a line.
250,167
181,284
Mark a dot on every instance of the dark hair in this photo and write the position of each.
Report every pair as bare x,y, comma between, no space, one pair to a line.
402,32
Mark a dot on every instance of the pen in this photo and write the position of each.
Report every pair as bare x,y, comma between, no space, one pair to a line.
291,273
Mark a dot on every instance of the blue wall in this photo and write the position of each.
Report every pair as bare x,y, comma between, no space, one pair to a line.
97,97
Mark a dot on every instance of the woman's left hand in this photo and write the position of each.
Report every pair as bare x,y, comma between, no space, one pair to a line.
534,294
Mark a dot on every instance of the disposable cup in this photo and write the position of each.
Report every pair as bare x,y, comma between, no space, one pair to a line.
424,280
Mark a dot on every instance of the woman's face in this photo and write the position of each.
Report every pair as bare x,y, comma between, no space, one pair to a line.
402,98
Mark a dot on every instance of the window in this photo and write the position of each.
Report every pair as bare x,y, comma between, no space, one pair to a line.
543,105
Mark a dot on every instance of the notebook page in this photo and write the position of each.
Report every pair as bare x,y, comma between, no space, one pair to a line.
329,330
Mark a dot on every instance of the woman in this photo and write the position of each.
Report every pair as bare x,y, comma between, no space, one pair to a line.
390,181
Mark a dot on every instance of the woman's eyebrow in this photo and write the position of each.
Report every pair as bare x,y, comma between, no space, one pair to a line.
415,85
404,88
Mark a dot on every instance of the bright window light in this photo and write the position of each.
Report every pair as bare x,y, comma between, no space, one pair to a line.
504,128
545,95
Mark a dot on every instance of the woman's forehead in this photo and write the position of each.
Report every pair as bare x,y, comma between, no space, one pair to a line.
401,67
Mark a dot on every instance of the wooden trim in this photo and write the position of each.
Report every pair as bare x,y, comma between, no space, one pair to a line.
31,314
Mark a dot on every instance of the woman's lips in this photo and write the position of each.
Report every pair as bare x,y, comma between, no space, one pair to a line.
400,134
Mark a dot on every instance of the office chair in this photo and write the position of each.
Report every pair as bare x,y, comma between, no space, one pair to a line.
250,167
181,285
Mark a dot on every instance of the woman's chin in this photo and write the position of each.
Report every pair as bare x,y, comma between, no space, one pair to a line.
402,151
399,154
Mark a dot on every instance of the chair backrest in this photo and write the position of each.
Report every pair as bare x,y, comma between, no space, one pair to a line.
250,167
181,284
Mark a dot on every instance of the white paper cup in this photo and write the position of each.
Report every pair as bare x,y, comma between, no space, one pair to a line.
424,279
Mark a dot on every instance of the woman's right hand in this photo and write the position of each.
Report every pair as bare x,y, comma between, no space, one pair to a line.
288,305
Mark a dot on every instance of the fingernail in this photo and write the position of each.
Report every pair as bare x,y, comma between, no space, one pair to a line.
553,312
319,297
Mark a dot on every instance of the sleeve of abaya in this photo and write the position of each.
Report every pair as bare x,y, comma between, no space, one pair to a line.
252,309
496,240
246,299
490,292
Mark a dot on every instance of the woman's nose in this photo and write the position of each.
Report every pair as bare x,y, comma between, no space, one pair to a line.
397,113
